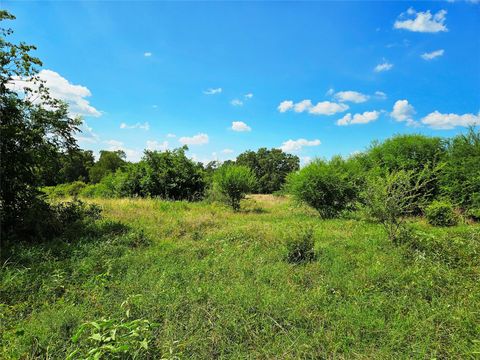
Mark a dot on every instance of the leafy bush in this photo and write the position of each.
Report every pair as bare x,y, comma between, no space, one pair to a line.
108,163
473,214
460,178
63,190
234,181
329,187
390,198
441,213
300,248
43,221
112,338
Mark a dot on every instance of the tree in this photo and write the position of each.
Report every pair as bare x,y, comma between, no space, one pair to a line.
235,181
33,126
271,167
460,178
329,187
108,163
172,175
390,198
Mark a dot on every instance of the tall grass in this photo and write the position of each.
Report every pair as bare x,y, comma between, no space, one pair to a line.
218,284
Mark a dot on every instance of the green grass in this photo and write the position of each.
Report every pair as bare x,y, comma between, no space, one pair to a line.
216,285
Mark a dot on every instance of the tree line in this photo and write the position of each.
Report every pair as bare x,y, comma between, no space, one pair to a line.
403,175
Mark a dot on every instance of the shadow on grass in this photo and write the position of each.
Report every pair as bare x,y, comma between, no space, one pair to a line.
75,240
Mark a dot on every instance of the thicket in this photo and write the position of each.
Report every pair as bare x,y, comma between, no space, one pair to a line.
234,182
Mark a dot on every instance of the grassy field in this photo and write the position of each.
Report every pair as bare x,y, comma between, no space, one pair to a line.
212,283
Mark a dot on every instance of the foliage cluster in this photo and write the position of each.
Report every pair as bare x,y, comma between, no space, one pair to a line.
441,213
234,182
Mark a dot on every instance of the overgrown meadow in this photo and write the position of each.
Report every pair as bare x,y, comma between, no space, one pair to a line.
198,280
371,256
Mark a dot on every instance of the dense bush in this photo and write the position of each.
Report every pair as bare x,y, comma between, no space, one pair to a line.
329,187
43,221
301,247
270,167
108,163
441,213
460,178
169,175
234,182
390,198
63,190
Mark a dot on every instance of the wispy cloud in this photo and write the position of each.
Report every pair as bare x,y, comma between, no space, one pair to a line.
147,54
248,96
296,145
236,102
385,66
199,139
212,91
154,145
145,126
432,55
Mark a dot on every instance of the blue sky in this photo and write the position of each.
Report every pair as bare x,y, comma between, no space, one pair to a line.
315,78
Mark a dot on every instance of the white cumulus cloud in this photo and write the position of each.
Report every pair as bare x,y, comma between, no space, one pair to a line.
365,118
154,145
422,21
438,120
403,111
199,139
147,54
212,91
240,126
321,108
145,126
432,55
385,66
249,95
327,108
380,95
296,145
351,96
285,106
61,89
302,106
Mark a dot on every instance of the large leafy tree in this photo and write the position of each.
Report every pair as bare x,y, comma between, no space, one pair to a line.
34,127
271,167
108,163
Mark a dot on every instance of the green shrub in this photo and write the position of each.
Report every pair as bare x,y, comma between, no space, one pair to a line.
441,213
43,221
389,198
234,181
473,214
328,187
114,339
300,247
